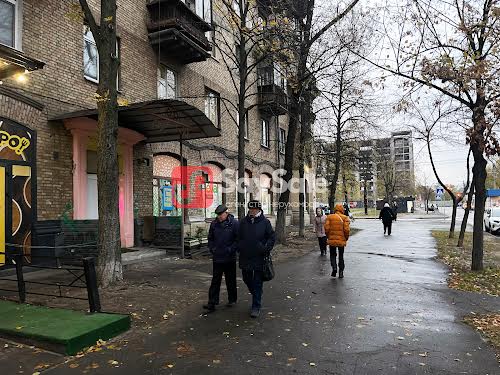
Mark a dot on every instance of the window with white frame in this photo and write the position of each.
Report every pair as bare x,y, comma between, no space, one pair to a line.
91,57
245,125
282,142
264,141
212,106
167,83
10,23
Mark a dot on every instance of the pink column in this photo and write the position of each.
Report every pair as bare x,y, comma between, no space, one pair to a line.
80,139
127,224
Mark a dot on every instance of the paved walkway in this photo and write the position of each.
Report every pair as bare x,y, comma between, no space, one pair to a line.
391,314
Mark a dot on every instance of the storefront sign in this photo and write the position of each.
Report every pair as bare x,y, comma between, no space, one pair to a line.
14,142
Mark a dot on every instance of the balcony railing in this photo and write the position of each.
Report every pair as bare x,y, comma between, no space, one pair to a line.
177,31
273,97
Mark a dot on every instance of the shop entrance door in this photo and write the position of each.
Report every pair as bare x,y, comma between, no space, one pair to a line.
16,212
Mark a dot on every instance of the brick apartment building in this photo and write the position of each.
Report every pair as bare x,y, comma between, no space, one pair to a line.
169,70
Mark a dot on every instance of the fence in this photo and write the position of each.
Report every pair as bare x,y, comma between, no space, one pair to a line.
82,277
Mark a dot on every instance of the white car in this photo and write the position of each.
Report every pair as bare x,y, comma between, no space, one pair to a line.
492,220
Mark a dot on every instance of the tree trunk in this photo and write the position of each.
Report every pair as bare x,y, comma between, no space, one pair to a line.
365,198
453,217
466,216
284,197
479,177
109,266
302,211
243,72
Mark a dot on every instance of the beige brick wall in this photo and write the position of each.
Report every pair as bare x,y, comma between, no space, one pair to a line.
51,36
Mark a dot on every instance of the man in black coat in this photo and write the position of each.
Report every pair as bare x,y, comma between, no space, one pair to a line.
256,240
387,217
223,243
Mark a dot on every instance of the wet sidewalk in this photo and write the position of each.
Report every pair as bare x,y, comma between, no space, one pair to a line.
391,314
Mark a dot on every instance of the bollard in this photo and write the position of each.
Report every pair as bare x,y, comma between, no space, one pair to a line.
91,282
21,286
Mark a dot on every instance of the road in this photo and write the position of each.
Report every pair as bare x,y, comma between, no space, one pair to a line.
391,314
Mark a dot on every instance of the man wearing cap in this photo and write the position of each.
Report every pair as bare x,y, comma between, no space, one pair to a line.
256,240
222,243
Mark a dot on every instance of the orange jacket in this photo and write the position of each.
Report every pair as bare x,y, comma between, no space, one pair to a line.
337,227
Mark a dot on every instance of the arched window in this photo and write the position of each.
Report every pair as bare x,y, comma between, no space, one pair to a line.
213,191
163,195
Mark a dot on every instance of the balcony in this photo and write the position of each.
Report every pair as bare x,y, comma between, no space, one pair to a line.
176,31
272,95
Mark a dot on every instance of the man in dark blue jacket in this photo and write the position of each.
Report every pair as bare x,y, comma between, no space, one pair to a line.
256,240
223,243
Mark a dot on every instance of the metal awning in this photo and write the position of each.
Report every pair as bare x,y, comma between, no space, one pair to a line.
163,120
14,62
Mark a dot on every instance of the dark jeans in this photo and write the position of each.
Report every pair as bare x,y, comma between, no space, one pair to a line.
229,271
388,227
253,280
322,244
333,258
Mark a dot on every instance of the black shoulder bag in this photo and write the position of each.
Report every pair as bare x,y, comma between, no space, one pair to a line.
268,269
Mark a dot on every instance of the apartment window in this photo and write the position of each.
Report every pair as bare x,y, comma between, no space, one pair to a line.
282,140
9,26
212,106
246,128
264,141
91,57
167,83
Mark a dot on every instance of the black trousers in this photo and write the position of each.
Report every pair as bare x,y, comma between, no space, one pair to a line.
322,244
229,271
333,258
388,227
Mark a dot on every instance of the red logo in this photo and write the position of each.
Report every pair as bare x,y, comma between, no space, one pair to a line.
195,187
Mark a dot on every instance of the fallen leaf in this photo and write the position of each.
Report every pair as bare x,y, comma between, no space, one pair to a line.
400,338
216,361
19,327
312,364
423,354
113,362
269,354
422,364
74,365
169,365
304,344
292,359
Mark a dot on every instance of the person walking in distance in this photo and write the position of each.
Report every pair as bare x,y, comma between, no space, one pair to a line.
337,229
395,210
387,216
319,229
222,243
256,240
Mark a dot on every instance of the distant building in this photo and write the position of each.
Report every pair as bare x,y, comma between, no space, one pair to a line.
388,160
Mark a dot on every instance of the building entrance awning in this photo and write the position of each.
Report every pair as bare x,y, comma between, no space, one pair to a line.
162,120
14,62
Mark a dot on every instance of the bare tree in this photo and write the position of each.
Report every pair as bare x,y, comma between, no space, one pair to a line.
109,266
305,35
453,47
244,42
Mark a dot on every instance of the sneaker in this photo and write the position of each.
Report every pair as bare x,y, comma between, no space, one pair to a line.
231,304
209,307
341,274
255,313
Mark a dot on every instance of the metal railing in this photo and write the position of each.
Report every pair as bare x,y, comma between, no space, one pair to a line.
84,277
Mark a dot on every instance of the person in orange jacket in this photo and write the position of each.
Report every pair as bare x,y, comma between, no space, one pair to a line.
337,230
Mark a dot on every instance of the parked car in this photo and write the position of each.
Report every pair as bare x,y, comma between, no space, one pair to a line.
492,220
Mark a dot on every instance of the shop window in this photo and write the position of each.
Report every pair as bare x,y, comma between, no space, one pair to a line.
213,191
163,189
167,83
10,23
